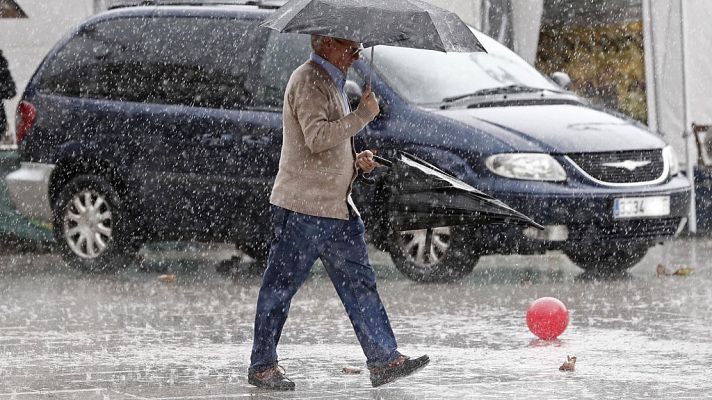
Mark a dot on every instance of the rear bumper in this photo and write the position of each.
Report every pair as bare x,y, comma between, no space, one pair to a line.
29,190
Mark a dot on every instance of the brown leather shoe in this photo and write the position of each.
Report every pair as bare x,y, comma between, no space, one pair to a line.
271,378
400,367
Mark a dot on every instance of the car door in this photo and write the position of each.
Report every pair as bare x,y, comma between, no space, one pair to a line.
188,85
212,133
261,146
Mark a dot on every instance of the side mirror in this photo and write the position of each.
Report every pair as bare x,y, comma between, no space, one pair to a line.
353,93
561,78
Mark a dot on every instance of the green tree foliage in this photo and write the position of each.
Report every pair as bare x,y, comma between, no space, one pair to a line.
605,62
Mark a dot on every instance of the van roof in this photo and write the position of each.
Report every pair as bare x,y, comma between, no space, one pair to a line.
112,4
183,8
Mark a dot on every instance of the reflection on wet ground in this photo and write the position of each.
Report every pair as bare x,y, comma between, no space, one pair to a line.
71,335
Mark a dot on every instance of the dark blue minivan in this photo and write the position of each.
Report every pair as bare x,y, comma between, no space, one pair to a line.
164,123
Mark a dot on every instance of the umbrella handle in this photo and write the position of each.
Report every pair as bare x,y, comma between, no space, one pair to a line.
370,73
383,161
366,178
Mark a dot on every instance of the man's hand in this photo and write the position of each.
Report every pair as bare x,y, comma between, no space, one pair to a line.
365,162
369,100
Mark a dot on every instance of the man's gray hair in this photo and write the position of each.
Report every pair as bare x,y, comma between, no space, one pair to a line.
317,42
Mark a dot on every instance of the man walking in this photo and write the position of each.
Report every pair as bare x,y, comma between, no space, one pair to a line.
315,217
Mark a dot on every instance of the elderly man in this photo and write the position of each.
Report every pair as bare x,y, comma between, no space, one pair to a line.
314,217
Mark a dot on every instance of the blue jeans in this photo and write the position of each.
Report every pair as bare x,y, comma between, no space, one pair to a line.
298,241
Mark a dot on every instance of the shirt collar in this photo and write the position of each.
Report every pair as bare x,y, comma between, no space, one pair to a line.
338,77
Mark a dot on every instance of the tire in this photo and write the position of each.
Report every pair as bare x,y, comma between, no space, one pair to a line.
92,226
607,260
449,258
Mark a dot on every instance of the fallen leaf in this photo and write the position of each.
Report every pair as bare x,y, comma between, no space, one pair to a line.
351,370
569,365
167,278
684,271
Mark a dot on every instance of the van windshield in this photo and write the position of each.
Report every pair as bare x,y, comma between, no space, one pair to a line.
427,77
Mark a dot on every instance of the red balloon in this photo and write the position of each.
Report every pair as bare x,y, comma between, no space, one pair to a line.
547,318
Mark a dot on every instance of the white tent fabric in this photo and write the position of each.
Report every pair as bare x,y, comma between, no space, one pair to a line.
526,21
26,41
667,88
698,55
678,39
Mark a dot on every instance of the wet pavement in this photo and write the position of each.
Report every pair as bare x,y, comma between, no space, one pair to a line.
65,334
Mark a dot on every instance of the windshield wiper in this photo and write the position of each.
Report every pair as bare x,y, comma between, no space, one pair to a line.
491,91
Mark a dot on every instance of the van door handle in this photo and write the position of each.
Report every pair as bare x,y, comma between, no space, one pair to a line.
259,140
224,140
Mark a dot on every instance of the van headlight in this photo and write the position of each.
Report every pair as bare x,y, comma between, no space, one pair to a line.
670,156
527,166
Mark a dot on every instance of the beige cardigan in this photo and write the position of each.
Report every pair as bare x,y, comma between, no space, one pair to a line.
317,163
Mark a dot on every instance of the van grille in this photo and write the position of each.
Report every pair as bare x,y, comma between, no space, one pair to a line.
594,165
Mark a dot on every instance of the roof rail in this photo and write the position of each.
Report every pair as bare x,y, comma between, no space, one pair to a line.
111,4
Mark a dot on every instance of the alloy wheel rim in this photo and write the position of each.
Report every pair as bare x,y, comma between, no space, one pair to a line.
425,248
88,224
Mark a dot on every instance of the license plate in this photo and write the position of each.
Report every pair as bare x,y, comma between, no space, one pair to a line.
632,207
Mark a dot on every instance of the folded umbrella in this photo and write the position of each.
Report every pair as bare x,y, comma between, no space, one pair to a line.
423,196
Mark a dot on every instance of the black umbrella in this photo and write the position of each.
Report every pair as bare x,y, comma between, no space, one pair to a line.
402,23
423,196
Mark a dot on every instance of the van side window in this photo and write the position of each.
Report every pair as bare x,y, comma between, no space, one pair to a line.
199,62
283,54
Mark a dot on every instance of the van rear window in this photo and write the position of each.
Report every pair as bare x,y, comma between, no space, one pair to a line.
200,62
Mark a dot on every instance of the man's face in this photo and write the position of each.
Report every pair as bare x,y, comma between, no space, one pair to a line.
344,53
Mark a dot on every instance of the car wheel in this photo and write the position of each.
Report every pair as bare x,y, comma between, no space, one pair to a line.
91,225
607,260
433,254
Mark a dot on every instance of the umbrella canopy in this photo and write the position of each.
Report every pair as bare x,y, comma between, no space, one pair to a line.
403,23
423,196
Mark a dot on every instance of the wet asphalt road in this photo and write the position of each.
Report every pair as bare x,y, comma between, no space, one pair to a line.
71,335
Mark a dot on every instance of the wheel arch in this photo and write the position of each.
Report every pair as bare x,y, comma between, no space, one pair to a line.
70,167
